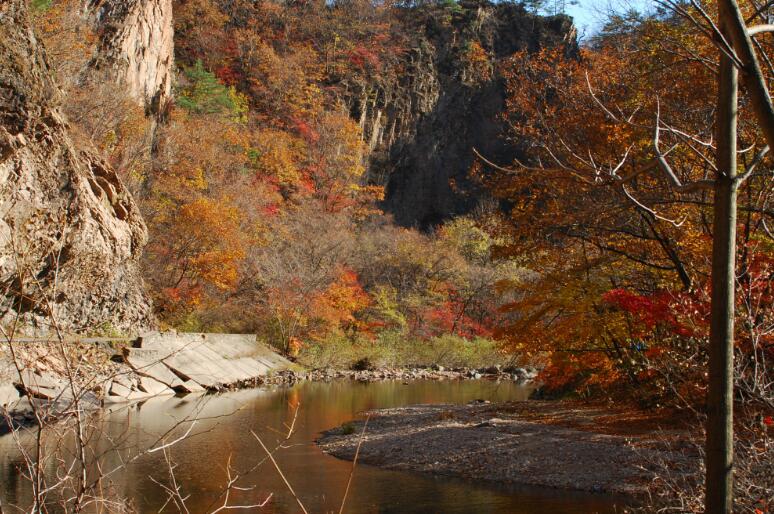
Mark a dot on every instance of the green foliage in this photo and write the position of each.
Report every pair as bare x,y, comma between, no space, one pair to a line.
394,348
190,322
624,24
548,7
206,95
387,307
451,5
468,239
454,351
107,329
40,5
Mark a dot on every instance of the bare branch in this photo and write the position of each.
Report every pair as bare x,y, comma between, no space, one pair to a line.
651,211
759,11
754,164
666,168
281,474
164,446
759,29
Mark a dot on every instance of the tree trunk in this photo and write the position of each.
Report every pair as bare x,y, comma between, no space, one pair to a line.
720,432
735,31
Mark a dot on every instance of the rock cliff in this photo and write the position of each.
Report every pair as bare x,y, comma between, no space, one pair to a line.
136,45
70,233
422,125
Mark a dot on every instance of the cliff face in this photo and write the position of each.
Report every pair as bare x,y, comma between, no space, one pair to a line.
70,233
422,127
136,45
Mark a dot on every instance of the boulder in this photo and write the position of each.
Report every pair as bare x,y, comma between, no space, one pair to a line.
9,395
153,387
41,385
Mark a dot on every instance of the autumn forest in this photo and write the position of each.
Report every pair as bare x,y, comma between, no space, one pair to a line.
465,184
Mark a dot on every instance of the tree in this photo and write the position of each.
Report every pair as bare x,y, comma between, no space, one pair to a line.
638,140
741,55
206,95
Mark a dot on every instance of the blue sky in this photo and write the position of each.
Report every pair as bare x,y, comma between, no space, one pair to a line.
589,15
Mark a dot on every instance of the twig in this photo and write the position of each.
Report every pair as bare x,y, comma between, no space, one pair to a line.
276,466
354,463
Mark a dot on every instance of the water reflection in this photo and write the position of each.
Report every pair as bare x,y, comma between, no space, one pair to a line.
222,433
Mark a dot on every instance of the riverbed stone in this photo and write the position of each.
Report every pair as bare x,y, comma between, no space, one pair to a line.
40,385
189,386
119,389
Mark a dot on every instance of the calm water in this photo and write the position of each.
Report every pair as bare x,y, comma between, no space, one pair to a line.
223,433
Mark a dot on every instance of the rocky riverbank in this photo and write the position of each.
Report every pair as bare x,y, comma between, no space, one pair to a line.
105,372
51,378
516,374
533,443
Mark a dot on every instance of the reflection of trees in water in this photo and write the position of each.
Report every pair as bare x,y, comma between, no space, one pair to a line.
224,431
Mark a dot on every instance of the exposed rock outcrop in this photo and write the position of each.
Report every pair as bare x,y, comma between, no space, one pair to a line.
136,43
422,124
70,232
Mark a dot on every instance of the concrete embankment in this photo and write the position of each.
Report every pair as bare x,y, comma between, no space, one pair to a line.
196,362
100,371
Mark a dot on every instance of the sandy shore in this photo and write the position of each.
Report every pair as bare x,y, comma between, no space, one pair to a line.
533,443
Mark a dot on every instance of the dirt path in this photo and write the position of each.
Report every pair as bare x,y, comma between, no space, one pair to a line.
536,443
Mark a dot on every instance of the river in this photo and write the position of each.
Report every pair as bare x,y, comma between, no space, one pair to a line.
223,433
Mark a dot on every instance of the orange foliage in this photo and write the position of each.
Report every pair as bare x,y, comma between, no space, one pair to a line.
203,248
617,294
338,305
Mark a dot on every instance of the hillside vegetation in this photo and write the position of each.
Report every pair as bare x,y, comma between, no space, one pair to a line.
262,177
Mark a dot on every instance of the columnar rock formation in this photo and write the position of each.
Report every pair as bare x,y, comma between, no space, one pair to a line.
70,232
423,124
136,44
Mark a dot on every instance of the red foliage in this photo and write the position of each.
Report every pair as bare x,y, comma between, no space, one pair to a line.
228,74
270,210
306,186
659,309
305,130
450,318
649,310
228,70
362,57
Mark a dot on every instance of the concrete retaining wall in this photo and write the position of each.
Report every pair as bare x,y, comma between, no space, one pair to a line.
154,364
193,361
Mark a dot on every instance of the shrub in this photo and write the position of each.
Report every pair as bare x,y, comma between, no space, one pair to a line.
397,349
